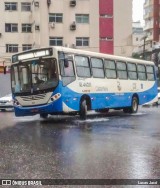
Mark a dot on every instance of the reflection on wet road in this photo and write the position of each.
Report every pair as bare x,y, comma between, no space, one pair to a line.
115,145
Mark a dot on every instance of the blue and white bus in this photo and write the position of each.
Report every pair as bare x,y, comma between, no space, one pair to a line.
58,80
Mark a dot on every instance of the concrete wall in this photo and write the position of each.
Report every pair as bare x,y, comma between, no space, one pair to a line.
123,27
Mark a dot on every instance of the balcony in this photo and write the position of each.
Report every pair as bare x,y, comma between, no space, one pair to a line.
150,37
149,25
148,15
147,3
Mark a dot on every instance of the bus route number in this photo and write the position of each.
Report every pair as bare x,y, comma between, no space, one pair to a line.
85,84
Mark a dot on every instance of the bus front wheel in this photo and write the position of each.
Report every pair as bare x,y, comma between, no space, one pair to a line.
83,109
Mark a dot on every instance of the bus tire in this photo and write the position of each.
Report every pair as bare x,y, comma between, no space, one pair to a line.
134,106
83,109
44,116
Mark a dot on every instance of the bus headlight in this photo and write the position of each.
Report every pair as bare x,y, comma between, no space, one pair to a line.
55,97
16,103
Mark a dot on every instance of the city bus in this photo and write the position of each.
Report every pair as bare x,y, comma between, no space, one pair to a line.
59,80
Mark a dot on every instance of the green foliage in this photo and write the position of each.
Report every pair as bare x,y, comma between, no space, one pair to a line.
136,56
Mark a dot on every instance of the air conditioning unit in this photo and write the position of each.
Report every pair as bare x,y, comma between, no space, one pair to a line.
48,2
73,3
73,46
36,4
52,24
37,27
66,45
73,26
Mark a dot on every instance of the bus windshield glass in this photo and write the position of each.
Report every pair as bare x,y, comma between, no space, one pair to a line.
34,75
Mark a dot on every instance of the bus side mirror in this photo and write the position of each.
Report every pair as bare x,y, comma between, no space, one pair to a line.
66,63
4,69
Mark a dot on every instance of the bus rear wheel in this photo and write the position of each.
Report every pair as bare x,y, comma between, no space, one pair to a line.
134,106
83,109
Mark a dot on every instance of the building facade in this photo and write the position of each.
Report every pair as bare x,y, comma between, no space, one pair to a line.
95,25
152,26
137,37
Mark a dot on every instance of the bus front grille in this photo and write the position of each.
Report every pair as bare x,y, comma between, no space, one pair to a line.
33,97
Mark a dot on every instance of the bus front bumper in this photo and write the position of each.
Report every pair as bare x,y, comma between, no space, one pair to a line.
43,109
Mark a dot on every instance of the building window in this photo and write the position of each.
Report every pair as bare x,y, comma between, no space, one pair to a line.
10,6
11,27
26,28
82,41
25,6
58,18
56,41
11,48
106,38
82,18
26,47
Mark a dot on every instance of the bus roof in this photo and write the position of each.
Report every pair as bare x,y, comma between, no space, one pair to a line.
102,55
89,53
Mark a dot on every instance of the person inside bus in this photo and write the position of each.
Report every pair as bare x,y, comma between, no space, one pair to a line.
38,81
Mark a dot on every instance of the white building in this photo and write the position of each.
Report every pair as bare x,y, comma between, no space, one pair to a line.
95,25
137,35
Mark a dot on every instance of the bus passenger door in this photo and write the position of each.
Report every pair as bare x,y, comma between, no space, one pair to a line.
68,76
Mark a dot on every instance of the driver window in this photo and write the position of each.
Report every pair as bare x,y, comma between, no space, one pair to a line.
67,72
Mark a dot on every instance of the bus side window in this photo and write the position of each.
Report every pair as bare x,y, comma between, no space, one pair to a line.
150,72
141,72
110,69
132,71
82,66
122,70
97,68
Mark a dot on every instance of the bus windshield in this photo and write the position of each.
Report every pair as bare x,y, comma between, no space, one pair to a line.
34,75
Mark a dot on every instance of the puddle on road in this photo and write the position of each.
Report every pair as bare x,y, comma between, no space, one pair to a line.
27,118
71,118
93,120
139,114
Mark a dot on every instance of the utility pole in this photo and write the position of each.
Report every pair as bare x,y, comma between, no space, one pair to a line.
144,46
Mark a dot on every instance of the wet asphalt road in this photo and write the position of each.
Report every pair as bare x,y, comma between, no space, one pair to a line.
111,146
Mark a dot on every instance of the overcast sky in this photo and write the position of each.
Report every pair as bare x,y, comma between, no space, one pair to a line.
138,10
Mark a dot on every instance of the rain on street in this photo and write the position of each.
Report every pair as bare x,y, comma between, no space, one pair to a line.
104,146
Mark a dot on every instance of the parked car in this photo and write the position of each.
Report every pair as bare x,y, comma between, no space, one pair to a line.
6,103
158,95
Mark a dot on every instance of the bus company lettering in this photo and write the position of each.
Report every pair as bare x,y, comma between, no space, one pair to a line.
84,84
101,89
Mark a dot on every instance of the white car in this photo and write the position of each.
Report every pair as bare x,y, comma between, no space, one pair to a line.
6,102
